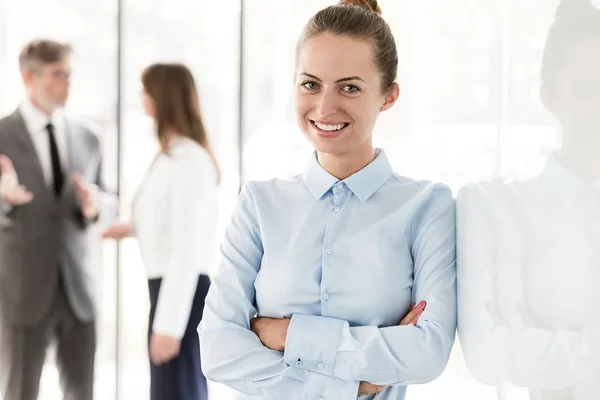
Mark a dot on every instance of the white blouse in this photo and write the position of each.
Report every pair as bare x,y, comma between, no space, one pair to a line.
174,221
528,273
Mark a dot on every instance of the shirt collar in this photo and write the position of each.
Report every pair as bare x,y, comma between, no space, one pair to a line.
35,119
363,183
562,183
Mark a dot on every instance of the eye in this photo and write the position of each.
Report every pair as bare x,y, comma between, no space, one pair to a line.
310,85
351,89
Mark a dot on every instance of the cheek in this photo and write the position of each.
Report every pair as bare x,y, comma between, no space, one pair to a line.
303,105
54,88
364,114
49,90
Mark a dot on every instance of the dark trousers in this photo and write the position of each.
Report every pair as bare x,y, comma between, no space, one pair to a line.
182,377
23,352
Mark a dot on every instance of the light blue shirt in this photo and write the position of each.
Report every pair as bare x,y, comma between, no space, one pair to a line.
344,260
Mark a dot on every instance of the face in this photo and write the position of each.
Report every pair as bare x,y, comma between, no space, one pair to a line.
575,96
148,104
49,84
338,93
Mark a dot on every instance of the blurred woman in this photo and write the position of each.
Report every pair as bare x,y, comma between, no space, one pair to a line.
174,220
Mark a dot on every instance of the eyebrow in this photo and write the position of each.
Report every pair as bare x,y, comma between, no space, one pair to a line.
350,78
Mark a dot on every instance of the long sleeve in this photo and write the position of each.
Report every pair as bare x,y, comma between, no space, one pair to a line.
500,348
396,355
231,352
108,202
190,210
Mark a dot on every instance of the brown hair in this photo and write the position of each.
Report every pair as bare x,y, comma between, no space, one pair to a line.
173,91
359,19
40,52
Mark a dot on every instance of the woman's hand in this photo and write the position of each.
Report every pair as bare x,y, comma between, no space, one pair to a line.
117,231
369,388
163,348
272,332
412,318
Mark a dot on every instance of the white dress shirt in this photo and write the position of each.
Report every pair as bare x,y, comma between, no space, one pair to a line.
528,283
36,122
174,221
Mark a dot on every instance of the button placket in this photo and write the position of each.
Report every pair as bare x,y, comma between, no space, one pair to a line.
338,195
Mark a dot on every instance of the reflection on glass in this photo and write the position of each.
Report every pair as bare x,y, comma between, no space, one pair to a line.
528,250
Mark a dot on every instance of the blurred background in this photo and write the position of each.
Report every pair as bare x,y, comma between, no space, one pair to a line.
469,110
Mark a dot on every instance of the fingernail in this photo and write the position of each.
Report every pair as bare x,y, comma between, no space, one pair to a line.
421,304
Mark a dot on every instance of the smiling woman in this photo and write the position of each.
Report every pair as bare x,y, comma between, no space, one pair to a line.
346,66
339,97
339,282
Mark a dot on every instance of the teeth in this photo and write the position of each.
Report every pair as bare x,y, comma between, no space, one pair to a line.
329,127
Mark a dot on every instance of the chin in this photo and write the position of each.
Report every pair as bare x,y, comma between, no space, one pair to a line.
328,147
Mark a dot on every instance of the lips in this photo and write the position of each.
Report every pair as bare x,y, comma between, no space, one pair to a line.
329,129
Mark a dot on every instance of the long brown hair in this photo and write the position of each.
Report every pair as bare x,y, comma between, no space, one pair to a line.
173,90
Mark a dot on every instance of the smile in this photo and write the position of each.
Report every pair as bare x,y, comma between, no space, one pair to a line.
329,127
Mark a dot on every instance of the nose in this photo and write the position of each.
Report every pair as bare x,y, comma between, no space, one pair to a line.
327,104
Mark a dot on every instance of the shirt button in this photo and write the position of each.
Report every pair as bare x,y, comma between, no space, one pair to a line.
328,251
336,209
298,363
321,365
321,398
326,296
340,185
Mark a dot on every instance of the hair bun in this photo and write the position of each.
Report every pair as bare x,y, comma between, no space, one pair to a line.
368,4
575,8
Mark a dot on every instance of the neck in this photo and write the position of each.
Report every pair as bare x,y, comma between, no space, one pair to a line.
168,135
344,165
580,161
39,106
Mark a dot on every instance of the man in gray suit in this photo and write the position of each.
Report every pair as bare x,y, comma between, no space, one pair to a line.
50,193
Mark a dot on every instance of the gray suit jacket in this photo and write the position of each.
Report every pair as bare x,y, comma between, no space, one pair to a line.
48,236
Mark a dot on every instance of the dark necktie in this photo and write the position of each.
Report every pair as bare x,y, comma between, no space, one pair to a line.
57,173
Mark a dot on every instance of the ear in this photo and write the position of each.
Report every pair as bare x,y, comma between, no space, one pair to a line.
27,75
390,97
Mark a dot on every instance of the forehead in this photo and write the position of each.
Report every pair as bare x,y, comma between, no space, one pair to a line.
62,65
331,57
